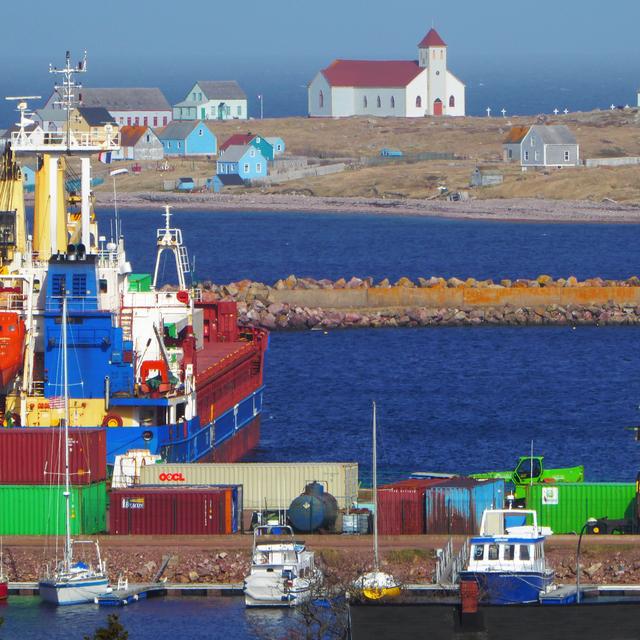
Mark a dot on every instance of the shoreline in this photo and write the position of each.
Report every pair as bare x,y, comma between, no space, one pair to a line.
533,210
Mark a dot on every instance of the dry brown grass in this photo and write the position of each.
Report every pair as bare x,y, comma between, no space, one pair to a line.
473,140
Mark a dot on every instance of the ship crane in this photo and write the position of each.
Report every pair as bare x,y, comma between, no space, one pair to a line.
169,239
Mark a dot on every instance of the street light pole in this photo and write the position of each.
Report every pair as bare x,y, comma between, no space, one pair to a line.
589,523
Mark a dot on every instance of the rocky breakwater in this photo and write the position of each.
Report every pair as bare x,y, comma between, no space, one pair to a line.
305,303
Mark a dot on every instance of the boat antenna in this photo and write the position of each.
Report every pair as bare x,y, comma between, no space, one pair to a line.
68,88
531,465
376,562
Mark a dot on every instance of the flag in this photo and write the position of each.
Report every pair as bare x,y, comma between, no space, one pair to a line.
56,402
105,157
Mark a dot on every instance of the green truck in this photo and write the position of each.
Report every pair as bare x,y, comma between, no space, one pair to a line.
531,470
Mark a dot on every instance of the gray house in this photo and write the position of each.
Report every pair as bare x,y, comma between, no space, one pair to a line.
542,146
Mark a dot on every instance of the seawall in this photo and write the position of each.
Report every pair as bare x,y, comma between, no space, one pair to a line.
305,303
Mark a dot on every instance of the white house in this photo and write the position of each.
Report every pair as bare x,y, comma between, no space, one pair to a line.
405,88
129,106
213,100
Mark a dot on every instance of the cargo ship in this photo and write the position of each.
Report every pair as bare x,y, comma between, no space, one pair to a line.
155,367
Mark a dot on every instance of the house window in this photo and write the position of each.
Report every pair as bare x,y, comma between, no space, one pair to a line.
532,141
321,100
169,144
526,155
379,102
278,147
179,145
566,156
121,120
258,167
137,121
164,121
246,167
148,138
536,156
200,132
239,110
199,96
193,96
129,121
364,102
418,102
510,154
252,152
393,102
441,54
452,101
145,121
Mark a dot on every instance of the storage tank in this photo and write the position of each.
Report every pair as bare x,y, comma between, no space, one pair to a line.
314,509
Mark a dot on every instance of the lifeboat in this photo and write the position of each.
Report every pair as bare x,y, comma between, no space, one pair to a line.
11,346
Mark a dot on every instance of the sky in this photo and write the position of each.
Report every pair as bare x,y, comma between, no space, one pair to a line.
283,43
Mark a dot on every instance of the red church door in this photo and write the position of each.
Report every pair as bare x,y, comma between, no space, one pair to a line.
437,107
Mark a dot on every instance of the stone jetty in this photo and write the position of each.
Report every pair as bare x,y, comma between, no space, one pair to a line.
298,303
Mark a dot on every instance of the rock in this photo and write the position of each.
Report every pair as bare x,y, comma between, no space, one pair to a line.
193,576
405,282
633,281
354,283
222,555
471,282
340,283
268,320
544,280
423,283
276,308
150,566
230,290
279,285
593,569
506,283
454,282
291,282
571,281
384,283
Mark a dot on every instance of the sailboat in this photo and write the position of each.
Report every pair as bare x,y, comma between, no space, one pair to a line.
376,584
4,580
72,582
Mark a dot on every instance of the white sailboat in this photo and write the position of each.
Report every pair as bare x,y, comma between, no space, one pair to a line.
72,582
376,584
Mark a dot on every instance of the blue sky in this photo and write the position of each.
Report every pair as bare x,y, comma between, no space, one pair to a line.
138,42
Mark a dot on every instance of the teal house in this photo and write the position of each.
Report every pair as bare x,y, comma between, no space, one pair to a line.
187,139
245,161
277,144
240,139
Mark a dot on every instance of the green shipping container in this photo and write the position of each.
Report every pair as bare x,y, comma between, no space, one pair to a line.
139,282
565,507
38,510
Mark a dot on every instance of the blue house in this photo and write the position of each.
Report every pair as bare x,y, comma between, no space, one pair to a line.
277,144
187,138
28,177
246,161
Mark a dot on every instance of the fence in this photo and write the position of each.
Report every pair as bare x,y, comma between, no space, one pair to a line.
310,172
612,162
411,157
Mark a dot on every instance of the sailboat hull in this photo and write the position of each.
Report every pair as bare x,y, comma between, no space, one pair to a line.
73,591
4,589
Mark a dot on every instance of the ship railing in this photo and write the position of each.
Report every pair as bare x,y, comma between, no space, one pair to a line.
39,140
107,258
12,302
169,236
75,303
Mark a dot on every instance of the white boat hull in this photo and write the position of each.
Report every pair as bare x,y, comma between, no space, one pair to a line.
80,591
271,591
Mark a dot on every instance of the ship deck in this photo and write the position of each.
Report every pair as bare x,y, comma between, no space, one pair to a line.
216,355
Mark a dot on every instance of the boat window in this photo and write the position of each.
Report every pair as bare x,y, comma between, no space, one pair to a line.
524,552
478,551
529,469
509,552
493,551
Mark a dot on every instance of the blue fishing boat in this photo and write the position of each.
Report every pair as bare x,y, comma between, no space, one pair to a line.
507,559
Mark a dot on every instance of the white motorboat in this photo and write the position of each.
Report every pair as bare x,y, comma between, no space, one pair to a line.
283,572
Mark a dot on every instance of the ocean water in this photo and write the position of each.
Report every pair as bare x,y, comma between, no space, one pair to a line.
450,399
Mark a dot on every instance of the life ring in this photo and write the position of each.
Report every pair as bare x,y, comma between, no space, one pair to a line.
112,420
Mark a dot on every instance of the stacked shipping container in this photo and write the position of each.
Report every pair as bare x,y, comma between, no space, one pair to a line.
176,511
32,475
401,507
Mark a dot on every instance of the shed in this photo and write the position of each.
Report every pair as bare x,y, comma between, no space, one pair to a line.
216,183
188,139
485,177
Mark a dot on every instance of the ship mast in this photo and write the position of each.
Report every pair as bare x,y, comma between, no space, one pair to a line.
68,547
376,560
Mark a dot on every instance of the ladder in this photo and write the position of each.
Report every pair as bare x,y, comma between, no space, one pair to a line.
126,323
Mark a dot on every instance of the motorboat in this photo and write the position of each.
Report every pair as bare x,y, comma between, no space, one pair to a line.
283,571
507,559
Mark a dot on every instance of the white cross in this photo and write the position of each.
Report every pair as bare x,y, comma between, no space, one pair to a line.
612,107
488,112
565,111
503,112
556,111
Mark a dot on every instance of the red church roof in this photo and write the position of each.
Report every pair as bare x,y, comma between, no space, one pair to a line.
432,39
239,139
371,73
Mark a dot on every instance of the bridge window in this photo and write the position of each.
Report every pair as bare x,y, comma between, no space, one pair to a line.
509,552
524,552
493,552
59,285
478,551
79,285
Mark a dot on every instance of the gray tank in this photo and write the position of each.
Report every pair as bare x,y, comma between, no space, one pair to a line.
314,509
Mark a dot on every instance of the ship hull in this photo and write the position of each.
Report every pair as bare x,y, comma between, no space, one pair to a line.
73,591
516,587
229,438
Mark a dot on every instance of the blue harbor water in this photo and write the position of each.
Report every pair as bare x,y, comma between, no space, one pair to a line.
450,399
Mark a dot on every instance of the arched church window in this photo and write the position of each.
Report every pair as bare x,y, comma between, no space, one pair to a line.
452,101
379,102
321,99
393,102
365,102
419,102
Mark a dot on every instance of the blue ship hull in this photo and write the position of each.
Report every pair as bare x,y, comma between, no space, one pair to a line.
191,441
509,587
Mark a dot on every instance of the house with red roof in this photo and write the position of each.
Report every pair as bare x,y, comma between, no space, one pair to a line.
402,88
138,143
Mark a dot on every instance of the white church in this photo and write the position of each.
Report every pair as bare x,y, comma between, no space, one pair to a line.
403,88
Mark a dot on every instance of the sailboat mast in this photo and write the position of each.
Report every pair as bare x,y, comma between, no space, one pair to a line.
67,489
376,562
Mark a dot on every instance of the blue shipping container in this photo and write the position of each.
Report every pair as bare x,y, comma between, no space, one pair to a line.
456,506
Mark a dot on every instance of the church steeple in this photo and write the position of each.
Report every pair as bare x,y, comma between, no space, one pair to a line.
429,46
432,39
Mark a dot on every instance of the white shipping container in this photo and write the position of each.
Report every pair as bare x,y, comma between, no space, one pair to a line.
271,485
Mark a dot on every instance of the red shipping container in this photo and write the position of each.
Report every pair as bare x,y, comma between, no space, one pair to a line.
168,511
401,507
34,455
